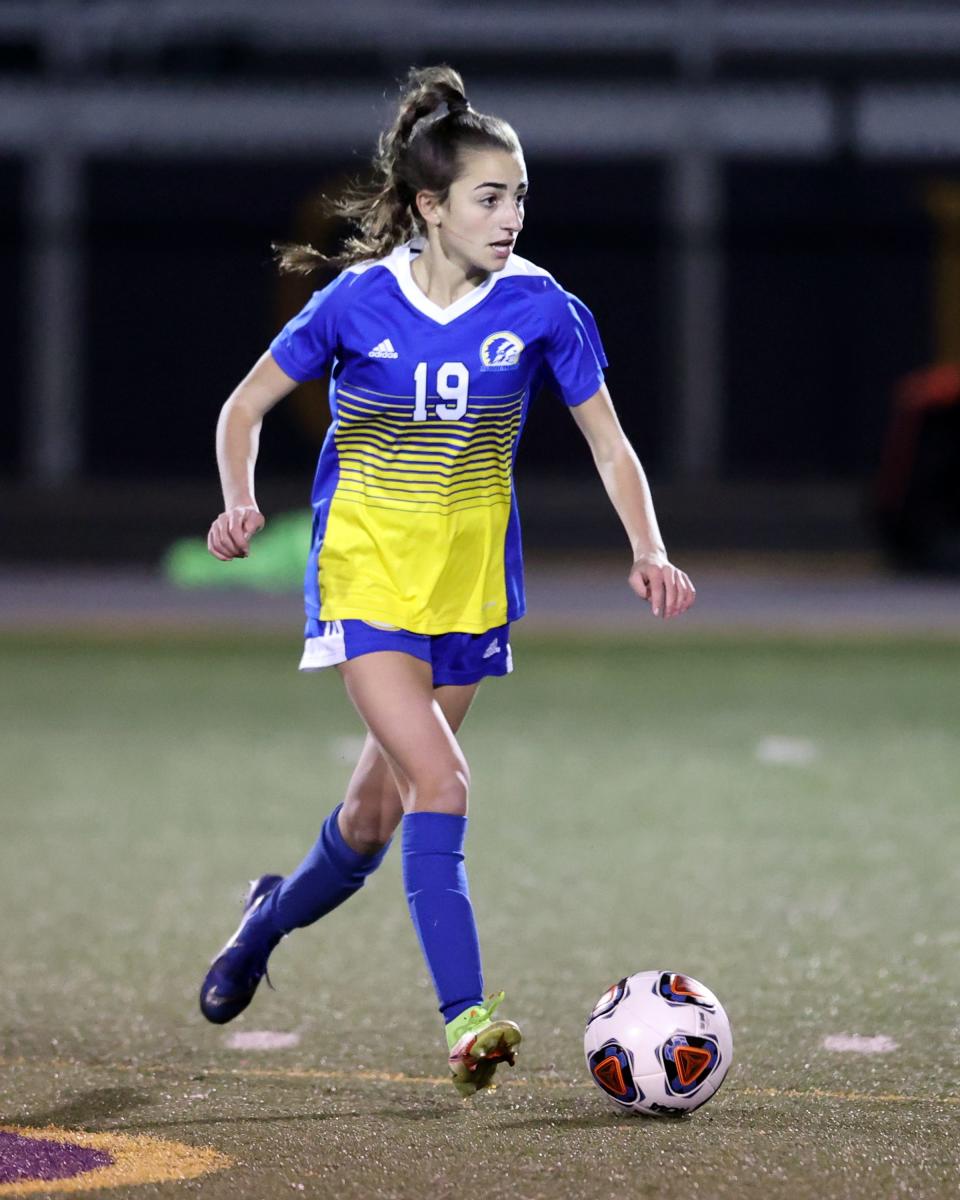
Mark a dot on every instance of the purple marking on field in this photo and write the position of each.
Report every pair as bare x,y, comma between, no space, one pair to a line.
23,1158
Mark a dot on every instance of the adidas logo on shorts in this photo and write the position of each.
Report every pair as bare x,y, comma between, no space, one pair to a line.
383,350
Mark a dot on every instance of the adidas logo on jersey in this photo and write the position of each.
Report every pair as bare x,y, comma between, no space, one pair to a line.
383,350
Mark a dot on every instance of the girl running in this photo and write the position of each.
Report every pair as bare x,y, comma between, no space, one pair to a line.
436,335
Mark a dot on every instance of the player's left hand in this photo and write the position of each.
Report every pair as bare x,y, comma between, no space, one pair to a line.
668,589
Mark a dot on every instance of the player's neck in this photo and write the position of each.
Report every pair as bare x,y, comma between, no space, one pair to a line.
443,280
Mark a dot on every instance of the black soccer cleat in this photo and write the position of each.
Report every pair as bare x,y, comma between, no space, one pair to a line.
236,971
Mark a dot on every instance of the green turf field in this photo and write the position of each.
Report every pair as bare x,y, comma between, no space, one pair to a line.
621,821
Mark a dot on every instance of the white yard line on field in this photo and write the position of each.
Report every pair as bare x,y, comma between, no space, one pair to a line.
262,1039
786,751
855,1043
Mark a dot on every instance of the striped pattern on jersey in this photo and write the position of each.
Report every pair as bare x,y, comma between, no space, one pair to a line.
388,460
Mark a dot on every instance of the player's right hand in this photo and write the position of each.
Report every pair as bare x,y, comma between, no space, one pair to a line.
230,534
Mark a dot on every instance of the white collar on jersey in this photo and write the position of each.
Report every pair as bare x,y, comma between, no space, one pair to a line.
398,264
422,302
399,261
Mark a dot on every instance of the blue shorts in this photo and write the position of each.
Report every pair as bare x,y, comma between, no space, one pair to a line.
456,658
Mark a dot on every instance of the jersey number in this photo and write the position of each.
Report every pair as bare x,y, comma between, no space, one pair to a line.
453,383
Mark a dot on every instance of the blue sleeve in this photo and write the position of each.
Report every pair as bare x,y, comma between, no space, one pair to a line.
305,345
575,358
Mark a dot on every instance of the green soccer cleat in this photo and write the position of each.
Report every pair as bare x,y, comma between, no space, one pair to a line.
477,1044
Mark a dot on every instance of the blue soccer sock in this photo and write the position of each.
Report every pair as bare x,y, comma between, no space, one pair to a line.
329,874
435,881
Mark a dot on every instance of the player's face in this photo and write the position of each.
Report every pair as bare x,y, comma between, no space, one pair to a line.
483,214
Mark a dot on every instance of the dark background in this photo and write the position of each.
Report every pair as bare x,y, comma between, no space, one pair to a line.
828,269
829,303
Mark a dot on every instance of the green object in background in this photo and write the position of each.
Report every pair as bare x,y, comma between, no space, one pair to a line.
277,557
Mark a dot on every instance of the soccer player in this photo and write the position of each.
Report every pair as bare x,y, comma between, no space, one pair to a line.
437,336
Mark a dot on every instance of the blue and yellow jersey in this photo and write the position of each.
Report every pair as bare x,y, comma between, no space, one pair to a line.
415,519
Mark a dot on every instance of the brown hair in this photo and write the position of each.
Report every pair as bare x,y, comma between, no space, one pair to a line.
419,152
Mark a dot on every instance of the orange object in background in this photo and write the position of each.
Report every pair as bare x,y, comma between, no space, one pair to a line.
917,493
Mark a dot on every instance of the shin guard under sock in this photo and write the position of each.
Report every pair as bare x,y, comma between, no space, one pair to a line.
435,881
329,874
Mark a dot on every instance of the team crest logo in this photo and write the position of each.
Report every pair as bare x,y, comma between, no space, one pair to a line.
501,350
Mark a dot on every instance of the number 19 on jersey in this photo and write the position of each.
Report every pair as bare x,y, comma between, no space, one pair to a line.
453,383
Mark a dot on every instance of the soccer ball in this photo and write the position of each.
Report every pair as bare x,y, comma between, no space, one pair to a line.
658,1043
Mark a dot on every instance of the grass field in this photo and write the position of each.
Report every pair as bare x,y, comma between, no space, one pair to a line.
621,820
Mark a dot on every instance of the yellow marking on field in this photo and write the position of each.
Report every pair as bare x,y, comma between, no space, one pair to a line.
137,1159
335,1076
339,1075
851,1097
567,1085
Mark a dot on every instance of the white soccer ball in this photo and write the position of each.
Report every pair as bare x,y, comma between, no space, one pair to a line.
658,1043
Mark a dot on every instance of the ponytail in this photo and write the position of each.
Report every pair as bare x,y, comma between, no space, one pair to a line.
419,152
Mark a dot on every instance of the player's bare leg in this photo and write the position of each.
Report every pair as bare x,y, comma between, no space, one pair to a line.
373,806
394,695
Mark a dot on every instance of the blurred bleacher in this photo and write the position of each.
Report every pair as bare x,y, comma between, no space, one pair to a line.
759,201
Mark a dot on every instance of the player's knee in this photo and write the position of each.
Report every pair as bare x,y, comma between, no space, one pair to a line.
365,825
443,789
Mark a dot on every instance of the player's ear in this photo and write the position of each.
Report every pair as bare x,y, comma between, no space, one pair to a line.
428,206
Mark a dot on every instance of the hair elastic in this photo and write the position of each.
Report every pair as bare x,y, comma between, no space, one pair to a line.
442,110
